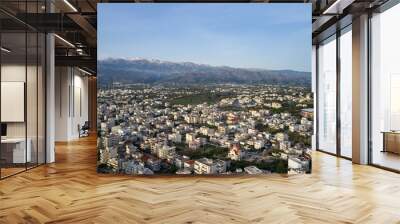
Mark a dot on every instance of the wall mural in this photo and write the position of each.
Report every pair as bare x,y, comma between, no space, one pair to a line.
210,89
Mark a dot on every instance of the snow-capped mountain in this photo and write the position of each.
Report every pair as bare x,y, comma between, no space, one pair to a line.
153,71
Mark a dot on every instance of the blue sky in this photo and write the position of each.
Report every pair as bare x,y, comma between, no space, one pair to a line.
269,36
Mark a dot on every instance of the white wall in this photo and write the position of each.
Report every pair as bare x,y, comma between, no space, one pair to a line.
12,73
71,103
62,81
81,113
33,126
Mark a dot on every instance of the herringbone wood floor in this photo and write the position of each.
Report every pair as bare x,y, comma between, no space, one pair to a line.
70,191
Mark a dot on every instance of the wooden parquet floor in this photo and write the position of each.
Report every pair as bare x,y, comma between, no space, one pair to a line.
70,191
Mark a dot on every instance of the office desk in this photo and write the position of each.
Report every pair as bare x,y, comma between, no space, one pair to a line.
13,150
391,141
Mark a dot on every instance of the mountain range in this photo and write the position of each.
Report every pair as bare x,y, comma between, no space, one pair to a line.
152,71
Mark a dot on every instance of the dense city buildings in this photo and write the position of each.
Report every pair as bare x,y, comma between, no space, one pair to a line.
204,129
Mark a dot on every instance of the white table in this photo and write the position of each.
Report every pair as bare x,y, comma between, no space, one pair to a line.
19,153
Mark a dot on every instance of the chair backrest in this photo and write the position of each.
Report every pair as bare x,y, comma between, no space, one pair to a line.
86,125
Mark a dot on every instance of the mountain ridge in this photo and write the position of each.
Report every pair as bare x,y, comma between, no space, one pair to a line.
154,71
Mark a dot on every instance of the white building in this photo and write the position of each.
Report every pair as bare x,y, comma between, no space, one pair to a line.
175,137
281,137
165,151
258,144
180,161
276,105
252,170
194,144
208,166
235,153
190,137
298,165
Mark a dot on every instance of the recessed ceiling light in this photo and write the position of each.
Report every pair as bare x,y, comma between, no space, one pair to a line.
5,50
70,5
84,71
64,40
337,7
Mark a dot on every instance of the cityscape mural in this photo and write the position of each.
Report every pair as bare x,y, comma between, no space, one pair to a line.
204,89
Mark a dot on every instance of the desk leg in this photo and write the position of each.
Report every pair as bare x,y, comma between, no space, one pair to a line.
384,142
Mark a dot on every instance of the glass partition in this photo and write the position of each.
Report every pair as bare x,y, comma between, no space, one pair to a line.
31,97
22,88
346,93
13,115
385,89
326,101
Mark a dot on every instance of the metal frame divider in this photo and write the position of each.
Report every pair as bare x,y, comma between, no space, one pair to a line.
0,95
369,114
26,86
45,73
338,74
316,97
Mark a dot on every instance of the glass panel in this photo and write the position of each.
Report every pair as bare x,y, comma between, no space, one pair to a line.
13,80
346,93
327,96
41,98
31,98
23,87
32,87
385,89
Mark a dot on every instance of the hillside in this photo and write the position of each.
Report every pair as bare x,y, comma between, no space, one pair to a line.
164,72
